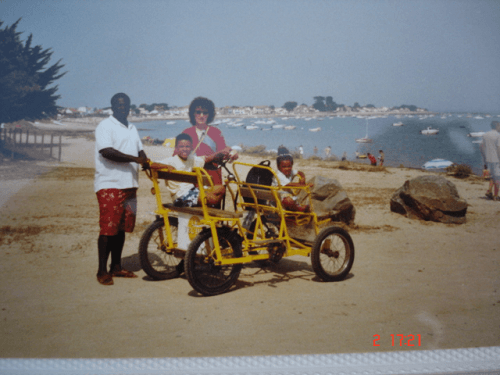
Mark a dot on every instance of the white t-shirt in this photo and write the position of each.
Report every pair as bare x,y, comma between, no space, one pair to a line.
113,175
179,189
283,181
491,146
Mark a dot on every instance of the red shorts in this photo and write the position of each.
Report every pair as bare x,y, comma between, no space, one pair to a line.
117,210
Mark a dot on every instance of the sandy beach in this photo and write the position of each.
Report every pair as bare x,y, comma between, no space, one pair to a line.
413,277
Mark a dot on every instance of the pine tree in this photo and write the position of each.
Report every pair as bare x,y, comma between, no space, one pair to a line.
24,80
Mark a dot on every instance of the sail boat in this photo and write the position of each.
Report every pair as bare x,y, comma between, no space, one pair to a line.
365,139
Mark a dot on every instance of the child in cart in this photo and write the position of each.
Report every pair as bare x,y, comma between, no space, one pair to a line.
285,175
186,194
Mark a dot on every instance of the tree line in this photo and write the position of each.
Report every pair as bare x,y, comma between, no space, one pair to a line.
327,104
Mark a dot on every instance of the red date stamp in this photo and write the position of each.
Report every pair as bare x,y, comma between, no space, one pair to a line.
400,340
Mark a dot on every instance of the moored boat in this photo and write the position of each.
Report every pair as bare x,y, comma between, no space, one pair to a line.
429,131
475,134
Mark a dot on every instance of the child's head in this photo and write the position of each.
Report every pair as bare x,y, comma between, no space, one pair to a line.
183,145
285,164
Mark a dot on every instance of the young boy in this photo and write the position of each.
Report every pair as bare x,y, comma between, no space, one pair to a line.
185,194
285,175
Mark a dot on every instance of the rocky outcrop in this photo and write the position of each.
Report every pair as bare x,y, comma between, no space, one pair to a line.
430,198
329,200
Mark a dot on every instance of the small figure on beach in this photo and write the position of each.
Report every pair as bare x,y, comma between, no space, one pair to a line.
373,161
285,175
185,194
490,150
344,156
208,141
315,150
118,155
381,157
327,151
486,173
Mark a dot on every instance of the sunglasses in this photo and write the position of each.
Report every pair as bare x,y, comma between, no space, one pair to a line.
201,112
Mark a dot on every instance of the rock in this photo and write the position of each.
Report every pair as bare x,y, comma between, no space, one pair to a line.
430,198
329,200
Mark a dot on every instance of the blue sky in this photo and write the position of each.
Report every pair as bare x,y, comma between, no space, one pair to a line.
443,55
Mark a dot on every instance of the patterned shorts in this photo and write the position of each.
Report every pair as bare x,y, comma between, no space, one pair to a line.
117,209
190,199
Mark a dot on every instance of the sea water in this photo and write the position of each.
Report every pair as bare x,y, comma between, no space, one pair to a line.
402,145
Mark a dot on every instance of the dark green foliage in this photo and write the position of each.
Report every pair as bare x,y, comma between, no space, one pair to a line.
24,80
290,106
330,104
412,108
319,103
157,106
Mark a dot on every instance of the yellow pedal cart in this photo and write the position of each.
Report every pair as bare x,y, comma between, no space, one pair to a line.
212,245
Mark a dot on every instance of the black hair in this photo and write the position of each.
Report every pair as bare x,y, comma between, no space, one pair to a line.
283,154
282,158
205,104
183,137
115,98
282,150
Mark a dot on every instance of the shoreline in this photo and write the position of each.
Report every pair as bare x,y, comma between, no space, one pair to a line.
256,116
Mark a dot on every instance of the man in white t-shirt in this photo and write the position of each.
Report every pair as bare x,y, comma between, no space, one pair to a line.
490,149
185,194
118,155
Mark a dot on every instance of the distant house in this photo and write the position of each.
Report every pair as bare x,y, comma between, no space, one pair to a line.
261,110
301,109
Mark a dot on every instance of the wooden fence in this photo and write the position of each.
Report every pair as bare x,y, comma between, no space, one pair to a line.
30,143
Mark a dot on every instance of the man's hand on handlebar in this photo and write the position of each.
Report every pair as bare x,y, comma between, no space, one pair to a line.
154,165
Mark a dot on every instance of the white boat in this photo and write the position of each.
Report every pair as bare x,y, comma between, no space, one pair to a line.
170,122
429,131
265,129
279,126
251,127
437,164
290,127
397,124
365,139
475,134
315,129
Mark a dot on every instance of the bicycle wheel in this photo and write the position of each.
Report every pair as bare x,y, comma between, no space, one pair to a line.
332,254
156,261
202,273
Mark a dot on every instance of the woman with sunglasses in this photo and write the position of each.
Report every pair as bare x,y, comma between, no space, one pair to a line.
208,141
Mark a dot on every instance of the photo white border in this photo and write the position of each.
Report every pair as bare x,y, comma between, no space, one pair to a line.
447,361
